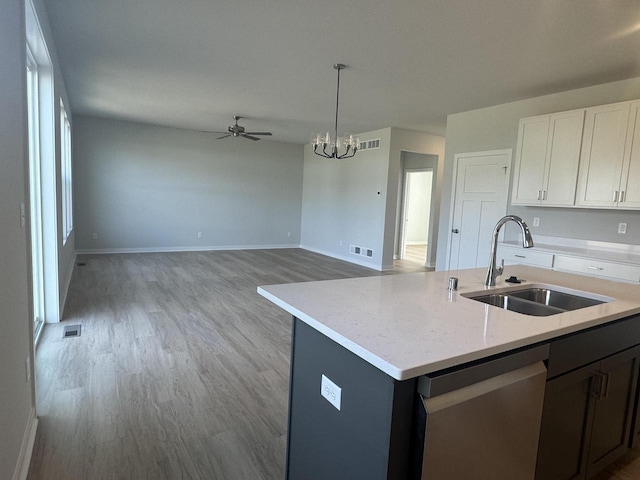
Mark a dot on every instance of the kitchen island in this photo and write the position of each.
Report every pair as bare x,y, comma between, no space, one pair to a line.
368,341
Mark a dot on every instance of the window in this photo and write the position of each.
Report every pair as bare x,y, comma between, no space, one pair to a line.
65,162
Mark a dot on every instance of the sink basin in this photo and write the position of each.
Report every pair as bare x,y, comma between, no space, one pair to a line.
539,301
553,298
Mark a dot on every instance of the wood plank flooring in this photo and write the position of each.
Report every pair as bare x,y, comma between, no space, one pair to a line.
416,253
181,370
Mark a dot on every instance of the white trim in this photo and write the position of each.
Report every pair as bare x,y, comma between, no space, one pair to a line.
344,258
456,158
67,283
182,249
26,450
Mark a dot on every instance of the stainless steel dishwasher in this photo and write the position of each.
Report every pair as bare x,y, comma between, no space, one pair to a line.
483,422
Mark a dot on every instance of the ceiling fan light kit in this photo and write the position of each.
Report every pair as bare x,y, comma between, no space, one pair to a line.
349,143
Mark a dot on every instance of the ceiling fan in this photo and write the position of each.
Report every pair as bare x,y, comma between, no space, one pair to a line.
239,131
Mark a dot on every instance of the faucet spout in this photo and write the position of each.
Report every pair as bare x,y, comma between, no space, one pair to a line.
527,242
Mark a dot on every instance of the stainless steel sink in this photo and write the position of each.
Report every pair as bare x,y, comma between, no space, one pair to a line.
538,301
553,298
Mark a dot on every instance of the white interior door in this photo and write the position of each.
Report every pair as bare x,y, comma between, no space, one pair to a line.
481,183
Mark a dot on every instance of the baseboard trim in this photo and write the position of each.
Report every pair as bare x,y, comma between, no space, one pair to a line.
182,249
67,283
26,450
344,258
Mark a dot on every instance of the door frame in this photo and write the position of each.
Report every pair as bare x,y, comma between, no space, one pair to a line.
403,210
454,193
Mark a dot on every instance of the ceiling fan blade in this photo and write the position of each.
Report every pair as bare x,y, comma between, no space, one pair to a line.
224,136
258,133
249,137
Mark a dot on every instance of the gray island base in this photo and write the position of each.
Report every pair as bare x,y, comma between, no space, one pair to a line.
553,402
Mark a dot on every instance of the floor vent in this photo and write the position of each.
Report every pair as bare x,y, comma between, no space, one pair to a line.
71,331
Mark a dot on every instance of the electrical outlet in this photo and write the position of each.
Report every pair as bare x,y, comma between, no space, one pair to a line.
289,234
340,242
536,221
331,392
94,236
199,234
622,228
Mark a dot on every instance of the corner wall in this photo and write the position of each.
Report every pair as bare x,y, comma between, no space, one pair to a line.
344,201
142,187
496,128
356,201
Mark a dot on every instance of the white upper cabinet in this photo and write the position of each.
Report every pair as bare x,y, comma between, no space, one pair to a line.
603,155
630,182
547,159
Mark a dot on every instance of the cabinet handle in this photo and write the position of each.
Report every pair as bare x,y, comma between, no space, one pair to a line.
520,256
538,194
593,267
621,196
615,196
544,194
600,387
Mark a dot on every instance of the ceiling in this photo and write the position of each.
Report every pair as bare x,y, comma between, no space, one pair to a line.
195,63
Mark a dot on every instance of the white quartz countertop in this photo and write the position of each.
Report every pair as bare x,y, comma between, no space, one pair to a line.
408,325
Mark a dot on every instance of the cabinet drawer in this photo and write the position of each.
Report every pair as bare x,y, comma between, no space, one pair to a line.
598,268
525,256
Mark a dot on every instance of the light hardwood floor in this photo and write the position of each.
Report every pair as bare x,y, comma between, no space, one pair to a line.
181,370
416,254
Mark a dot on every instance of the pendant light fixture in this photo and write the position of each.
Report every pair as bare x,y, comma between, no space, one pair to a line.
348,144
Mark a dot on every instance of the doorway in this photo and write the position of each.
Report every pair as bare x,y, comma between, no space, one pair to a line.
416,215
480,188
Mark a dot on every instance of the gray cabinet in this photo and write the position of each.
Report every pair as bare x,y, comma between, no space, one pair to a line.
588,413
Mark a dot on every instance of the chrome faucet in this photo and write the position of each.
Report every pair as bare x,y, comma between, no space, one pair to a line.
527,242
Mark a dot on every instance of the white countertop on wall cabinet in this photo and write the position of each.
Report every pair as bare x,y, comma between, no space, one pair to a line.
611,252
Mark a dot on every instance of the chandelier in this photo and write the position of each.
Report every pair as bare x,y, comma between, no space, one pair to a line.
347,144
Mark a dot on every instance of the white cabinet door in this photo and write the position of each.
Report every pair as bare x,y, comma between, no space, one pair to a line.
547,158
602,156
630,185
531,153
563,158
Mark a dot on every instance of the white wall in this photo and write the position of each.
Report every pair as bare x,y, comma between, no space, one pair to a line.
16,394
418,207
496,128
357,200
144,187
343,202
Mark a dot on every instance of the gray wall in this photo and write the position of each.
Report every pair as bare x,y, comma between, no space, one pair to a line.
496,128
343,201
357,200
16,394
147,187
